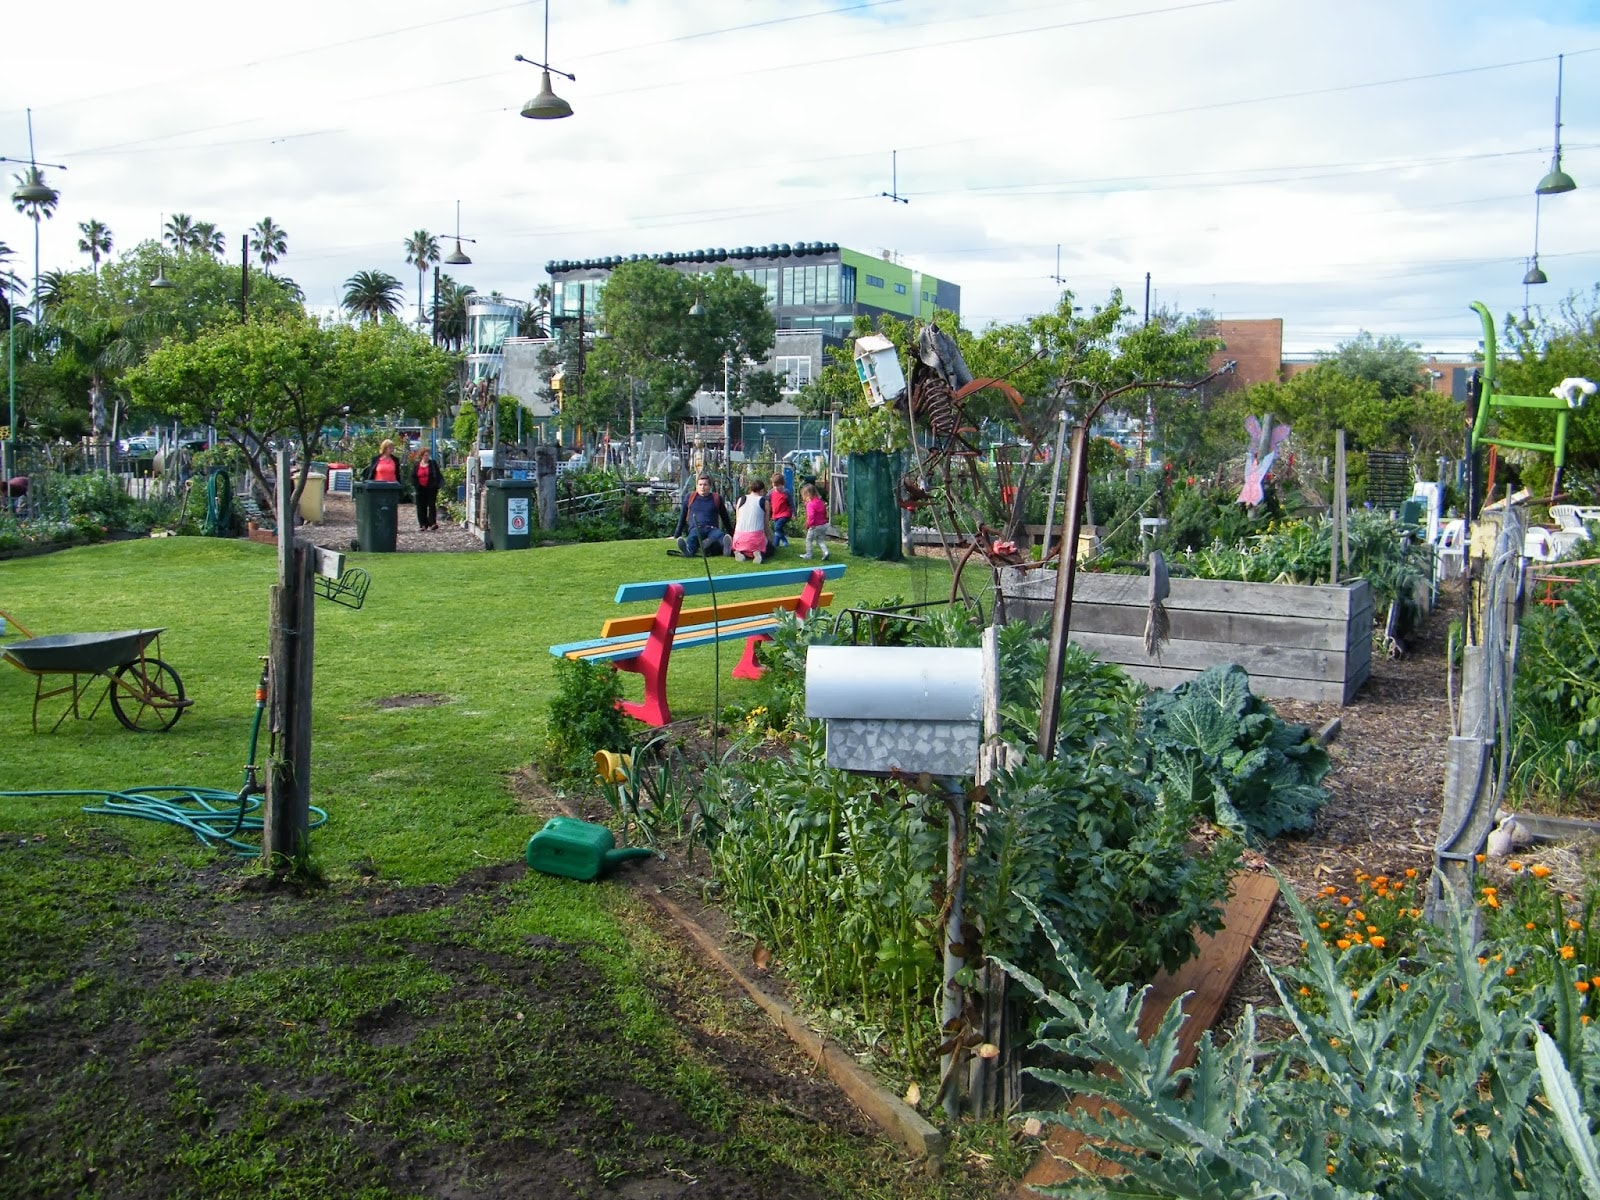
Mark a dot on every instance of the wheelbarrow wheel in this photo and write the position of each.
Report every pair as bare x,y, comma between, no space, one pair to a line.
147,695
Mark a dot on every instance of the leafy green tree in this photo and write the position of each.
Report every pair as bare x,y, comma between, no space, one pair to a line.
95,242
272,243
289,378
371,295
1564,346
671,354
422,251
1392,363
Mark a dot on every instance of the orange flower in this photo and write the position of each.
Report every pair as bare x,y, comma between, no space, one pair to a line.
1378,942
1567,953
1482,961
1359,915
1582,986
1511,970
1529,925
1381,880
1372,929
1490,898
1540,871
1514,865
1360,875
1480,858
1325,924
1416,914
1411,872
1344,900
1343,943
1305,991
1404,986
1574,924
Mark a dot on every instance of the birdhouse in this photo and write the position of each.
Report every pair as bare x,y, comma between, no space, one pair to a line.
878,368
900,708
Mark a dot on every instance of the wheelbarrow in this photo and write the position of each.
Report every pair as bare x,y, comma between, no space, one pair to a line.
145,693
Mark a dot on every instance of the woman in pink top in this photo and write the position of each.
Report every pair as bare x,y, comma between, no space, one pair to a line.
386,467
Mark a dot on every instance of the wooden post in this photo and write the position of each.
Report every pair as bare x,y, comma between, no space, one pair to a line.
1061,612
286,813
1337,511
544,474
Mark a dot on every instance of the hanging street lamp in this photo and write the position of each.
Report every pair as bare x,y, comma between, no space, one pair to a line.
546,106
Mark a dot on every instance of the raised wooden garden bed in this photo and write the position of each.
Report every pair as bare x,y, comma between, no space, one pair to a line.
1297,642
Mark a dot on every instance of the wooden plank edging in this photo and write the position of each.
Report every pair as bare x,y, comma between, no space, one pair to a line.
891,1114
1209,977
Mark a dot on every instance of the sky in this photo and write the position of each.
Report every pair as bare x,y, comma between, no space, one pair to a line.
1346,166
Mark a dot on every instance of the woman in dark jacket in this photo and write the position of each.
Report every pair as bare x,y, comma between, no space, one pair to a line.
427,478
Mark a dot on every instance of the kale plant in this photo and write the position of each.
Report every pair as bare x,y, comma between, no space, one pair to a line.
1212,743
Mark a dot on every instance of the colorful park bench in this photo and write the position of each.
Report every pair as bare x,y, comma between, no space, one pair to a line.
644,643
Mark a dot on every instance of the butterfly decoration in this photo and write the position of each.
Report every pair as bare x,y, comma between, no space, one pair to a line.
1265,438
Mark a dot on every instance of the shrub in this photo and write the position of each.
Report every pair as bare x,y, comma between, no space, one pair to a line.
1423,1081
583,718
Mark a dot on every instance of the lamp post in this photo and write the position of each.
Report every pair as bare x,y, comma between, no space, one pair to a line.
34,196
727,423
1556,180
546,106
244,278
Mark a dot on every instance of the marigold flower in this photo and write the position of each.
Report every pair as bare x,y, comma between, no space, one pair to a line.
1343,943
1405,987
1514,865
1482,961
1492,900
1574,924
1360,875
1582,986
1529,925
1345,900
1359,915
1333,1041
1511,970
1325,924
1381,880
1480,858
1305,991
1490,890
1372,929
1540,871
1567,953
1411,872
1330,890
1416,914
1378,942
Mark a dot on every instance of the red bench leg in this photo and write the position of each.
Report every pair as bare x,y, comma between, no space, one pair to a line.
748,667
652,664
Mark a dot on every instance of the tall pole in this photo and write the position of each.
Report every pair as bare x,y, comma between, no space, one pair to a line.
727,422
244,278
9,467
435,304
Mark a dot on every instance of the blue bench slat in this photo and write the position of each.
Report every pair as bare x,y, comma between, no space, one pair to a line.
631,645
734,581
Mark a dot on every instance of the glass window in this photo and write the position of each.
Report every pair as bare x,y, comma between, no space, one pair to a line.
875,281
794,372
847,285
899,289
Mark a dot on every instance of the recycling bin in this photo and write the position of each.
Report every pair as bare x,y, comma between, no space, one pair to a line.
874,515
377,515
311,500
511,513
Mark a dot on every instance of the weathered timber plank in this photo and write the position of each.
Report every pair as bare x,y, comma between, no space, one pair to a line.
1217,595
1209,978
1189,625
1254,657
1266,686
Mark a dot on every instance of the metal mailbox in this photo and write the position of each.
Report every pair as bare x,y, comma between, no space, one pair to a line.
898,708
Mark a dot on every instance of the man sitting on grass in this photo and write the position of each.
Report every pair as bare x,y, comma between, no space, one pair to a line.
702,521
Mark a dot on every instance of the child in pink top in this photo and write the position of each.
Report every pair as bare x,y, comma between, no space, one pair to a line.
816,522
782,511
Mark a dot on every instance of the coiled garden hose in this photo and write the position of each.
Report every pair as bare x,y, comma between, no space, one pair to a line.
216,817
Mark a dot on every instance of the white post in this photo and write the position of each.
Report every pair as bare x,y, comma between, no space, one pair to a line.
727,423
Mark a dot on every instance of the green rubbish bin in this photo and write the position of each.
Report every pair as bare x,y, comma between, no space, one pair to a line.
377,515
511,513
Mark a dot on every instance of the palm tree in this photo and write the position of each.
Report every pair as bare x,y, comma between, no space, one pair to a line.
272,243
50,291
450,311
372,295
37,208
534,320
207,238
95,242
181,234
422,251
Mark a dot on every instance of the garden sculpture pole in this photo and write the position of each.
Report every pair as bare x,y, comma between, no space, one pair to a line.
286,814
1071,523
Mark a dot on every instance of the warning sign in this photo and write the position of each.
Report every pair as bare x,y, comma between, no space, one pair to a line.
517,515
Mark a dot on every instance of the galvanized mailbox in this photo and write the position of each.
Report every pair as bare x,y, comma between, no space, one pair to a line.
898,708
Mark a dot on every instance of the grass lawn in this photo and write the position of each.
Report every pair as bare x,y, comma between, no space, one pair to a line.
429,1021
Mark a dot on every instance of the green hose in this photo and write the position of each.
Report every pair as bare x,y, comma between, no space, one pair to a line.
219,504
214,816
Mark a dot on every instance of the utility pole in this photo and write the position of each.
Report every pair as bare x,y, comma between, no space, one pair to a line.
244,278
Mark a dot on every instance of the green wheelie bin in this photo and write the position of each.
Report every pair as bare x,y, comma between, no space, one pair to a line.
511,513
377,515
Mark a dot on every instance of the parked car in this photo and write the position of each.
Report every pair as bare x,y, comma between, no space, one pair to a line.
142,445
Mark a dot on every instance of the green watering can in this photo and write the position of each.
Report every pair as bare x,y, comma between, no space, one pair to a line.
576,849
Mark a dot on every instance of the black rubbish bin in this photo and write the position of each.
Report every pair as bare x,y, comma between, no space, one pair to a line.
511,513
377,515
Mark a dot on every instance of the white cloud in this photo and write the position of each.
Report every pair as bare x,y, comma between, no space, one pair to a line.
1360,165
